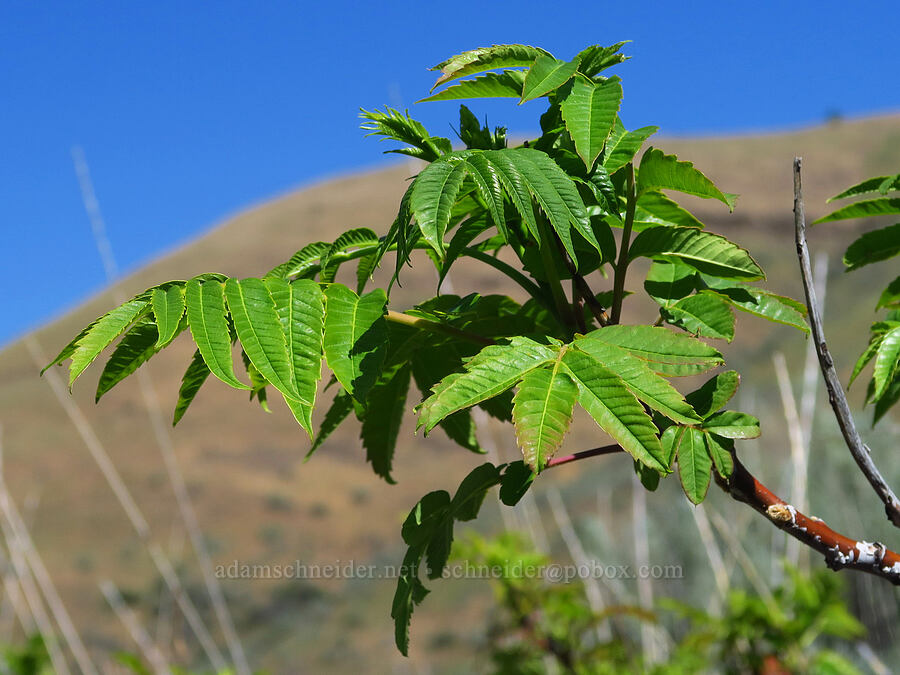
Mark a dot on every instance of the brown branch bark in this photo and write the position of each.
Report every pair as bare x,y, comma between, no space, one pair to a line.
836,395
838,550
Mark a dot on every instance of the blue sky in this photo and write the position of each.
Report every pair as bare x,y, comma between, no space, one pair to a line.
189,111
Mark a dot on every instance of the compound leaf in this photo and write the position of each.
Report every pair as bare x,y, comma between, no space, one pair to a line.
490,372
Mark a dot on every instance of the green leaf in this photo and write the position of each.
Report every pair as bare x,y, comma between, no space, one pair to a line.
491,372
138,345
553,190
465,233
720,450
194,377
350,241
868,354
428,531
257,381
355,337
615,409
542,412
622,145
506,84
863,209
763,304
364,270
890,297
341,407
101,333
704,251
873,247
515,482
659,171
649,387
468,499
667,283
694,463
205,301
433,197
486,58
471,133
484,174
590,111
546,75
430,366
401,127
704,314
882,184
888,399
258,327
385,406
714,393
595,59
300,308
303,262
168,308
655,207
886,361
418,529
666,352
733,425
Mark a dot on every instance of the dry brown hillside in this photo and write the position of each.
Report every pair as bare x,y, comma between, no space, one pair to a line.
255,498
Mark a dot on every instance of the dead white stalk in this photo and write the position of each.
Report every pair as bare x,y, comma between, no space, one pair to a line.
592,589
740,555
33,599
128,618
161,433
135,517
797,443
14,605
652,644
33,559
713,554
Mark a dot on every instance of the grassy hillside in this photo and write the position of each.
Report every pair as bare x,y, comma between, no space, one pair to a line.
258,502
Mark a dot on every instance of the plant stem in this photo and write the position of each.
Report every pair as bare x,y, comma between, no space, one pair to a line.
435,327
563,308
622,264
836,395
840,552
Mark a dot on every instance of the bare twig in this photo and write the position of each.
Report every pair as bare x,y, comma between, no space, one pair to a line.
838,550
836,395
584,454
